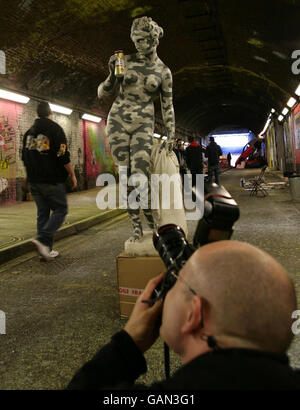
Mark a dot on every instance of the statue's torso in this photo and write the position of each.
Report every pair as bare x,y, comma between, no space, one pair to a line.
141,82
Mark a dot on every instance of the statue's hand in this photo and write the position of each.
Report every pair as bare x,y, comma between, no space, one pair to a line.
168,145
111,64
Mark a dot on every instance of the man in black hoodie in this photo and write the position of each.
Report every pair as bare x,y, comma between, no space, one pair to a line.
47,163
212,153
229,320
194,158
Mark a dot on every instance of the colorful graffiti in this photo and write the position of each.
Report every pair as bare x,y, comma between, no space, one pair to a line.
8,142
98,156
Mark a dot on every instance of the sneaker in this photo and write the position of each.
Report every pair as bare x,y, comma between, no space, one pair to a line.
54,254
42,249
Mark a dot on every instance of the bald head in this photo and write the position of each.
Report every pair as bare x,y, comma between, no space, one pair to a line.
249,294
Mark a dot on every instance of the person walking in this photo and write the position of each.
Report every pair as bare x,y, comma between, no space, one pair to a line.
212,153
47,162
229,159
194,158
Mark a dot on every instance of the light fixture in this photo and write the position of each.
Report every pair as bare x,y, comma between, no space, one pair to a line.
272,111
291,102
285,111
265,127
297,92
164,138
156,135
280,118
60,109
8,95
92,118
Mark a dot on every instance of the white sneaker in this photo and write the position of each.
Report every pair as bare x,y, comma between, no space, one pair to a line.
42,249
54,254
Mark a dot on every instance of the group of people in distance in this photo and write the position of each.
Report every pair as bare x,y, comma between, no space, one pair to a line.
191,158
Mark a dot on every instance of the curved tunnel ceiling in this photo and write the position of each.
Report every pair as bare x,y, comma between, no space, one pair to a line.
230,59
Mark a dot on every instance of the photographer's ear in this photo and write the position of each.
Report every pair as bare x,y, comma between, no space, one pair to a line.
193,320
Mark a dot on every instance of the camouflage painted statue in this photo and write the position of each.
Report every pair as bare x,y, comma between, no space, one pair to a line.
130,124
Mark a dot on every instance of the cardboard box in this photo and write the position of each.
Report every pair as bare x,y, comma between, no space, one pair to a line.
133,275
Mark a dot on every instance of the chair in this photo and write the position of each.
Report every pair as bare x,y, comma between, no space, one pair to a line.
255,185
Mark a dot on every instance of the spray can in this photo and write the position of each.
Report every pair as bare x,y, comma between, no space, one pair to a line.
120,64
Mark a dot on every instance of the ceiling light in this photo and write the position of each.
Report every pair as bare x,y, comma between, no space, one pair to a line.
272,111
164,138
60,109
297,92
156,135
291,102
93,118
7,95
285,111
280,118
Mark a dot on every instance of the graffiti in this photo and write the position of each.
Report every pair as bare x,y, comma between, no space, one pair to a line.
8,151
98,156
3,184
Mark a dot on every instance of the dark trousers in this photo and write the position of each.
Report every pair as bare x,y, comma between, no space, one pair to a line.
49,197
213,170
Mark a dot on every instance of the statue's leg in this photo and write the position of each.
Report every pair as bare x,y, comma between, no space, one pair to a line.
140,155
119,141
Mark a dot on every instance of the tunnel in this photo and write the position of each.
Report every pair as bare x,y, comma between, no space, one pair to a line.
229,70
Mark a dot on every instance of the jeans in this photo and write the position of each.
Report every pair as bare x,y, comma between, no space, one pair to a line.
213,169
49,197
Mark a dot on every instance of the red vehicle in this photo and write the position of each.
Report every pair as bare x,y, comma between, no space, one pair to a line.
223,162
249,152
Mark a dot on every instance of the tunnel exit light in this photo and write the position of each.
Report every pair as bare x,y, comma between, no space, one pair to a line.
231,140
92,118
60,109
7,95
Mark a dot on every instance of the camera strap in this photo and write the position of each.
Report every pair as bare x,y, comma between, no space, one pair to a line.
167,360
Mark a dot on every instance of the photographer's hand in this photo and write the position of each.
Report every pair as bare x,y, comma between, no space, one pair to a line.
143,324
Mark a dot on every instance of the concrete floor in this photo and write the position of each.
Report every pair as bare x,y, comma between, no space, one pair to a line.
59,314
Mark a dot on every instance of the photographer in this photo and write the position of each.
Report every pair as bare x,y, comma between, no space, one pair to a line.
229,320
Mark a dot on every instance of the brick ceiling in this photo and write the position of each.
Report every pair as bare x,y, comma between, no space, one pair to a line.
230,59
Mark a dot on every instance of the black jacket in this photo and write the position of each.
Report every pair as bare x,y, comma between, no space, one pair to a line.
45,152
119,363
212,153
194,158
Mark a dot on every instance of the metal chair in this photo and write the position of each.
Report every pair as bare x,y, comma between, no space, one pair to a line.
255,185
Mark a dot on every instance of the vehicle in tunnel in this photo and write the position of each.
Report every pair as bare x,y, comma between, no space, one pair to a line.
251,155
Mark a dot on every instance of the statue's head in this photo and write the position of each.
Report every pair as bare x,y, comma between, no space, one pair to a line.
145,34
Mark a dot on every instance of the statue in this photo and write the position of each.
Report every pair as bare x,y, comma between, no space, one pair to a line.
130,123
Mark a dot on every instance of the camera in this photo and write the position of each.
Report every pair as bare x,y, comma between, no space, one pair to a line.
220,213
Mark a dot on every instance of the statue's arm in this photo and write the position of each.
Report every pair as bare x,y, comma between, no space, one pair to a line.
167,105
107,86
